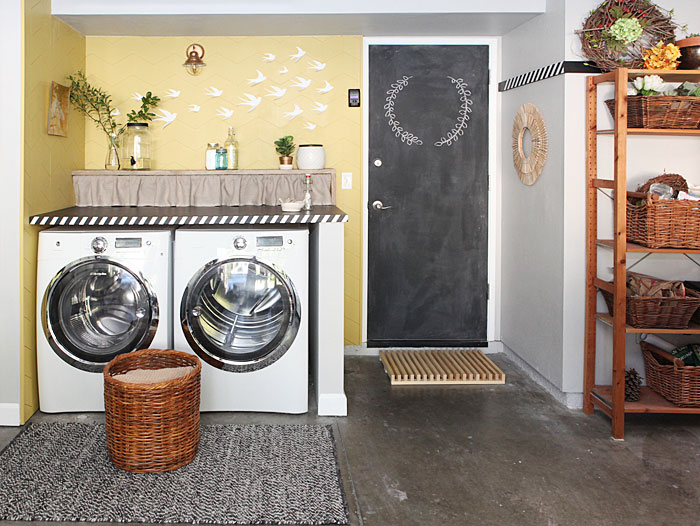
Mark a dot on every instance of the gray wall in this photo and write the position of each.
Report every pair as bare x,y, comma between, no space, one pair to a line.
532,250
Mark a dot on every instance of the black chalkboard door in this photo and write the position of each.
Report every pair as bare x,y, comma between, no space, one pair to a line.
428,195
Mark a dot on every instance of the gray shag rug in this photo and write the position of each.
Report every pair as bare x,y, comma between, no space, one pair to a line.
243,474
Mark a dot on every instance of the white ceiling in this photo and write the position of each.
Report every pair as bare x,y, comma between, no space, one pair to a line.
302,17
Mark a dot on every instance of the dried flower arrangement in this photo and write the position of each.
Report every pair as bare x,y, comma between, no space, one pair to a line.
618,31
662,56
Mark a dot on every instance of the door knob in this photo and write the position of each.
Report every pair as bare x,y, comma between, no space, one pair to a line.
377,162
378,205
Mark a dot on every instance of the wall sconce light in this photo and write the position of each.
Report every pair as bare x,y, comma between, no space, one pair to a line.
194,63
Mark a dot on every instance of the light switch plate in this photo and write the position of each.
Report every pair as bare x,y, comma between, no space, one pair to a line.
346,181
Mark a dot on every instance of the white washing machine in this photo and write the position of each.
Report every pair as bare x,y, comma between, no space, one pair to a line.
99,294
242,300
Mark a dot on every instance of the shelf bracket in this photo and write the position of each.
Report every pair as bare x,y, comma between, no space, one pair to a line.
643,258
691,259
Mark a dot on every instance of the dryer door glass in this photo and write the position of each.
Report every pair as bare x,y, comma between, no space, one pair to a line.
240,314
96,309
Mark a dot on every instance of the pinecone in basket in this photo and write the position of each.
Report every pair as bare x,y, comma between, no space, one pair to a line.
633,385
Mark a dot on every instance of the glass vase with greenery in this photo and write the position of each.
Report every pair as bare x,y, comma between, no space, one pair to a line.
96,105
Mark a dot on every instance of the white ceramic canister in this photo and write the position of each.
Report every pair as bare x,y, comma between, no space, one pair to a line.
311,157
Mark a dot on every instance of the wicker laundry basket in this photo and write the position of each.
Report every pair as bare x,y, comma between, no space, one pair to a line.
670,377
657,111
660,223
152,427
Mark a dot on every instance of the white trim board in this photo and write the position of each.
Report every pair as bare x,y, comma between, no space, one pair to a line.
9,415
493,324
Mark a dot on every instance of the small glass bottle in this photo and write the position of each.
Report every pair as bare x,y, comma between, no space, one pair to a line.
307,192
210,158
231,145
221,159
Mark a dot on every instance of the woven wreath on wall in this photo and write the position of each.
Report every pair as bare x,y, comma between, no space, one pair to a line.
529,167
617,32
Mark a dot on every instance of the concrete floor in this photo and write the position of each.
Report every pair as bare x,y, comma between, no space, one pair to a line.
496,455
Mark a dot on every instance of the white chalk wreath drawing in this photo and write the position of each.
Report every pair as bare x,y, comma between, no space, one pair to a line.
464,111
395,125
410,138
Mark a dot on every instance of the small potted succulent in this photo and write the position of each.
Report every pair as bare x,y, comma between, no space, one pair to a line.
690,51
285,147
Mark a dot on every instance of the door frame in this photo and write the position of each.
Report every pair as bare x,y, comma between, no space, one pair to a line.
493,317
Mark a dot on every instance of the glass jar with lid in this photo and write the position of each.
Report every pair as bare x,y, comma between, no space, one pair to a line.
137,147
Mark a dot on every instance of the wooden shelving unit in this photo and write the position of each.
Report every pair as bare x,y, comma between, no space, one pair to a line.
611,398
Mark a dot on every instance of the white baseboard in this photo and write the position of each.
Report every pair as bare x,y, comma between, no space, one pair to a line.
332,405
9,414
570,400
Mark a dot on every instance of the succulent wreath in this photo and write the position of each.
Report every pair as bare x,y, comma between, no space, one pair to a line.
618,31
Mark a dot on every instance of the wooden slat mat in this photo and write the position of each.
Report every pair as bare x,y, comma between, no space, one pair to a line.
440,366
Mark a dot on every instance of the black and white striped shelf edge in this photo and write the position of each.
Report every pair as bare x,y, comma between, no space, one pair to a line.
546,72
174,220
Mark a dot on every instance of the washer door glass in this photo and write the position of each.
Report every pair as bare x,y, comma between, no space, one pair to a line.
96,309
240,314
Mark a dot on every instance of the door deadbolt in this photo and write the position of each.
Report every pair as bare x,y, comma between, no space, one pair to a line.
378,205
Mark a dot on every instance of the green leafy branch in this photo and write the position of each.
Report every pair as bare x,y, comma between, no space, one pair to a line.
96,105
144,114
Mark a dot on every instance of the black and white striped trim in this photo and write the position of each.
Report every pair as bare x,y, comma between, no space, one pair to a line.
107,221
546,72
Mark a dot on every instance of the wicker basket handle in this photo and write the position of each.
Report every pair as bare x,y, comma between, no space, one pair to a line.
677,363
642,195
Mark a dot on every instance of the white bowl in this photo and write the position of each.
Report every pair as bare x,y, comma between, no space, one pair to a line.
292,206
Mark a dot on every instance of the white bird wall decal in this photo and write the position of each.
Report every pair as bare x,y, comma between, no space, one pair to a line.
224,113
297,56
194,108
250,100
284,70
166,117
136,96
326,88
274,91
301,83
316,65
320,107
309,126
258,79
294,113
173,94
268,57
213,92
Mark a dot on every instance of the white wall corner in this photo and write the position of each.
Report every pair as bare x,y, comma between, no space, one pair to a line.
9,415
570,400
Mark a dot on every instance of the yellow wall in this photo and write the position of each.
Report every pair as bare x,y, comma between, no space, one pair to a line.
52,51
125,65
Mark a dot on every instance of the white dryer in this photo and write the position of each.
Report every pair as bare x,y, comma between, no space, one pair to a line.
99,294
242,300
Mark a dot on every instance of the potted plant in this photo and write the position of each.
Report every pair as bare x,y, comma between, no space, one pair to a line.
96,104
285,147
690,52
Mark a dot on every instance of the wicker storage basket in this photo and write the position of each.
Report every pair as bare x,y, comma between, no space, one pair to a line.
658,313
658,223
670,377
152,428
660,111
